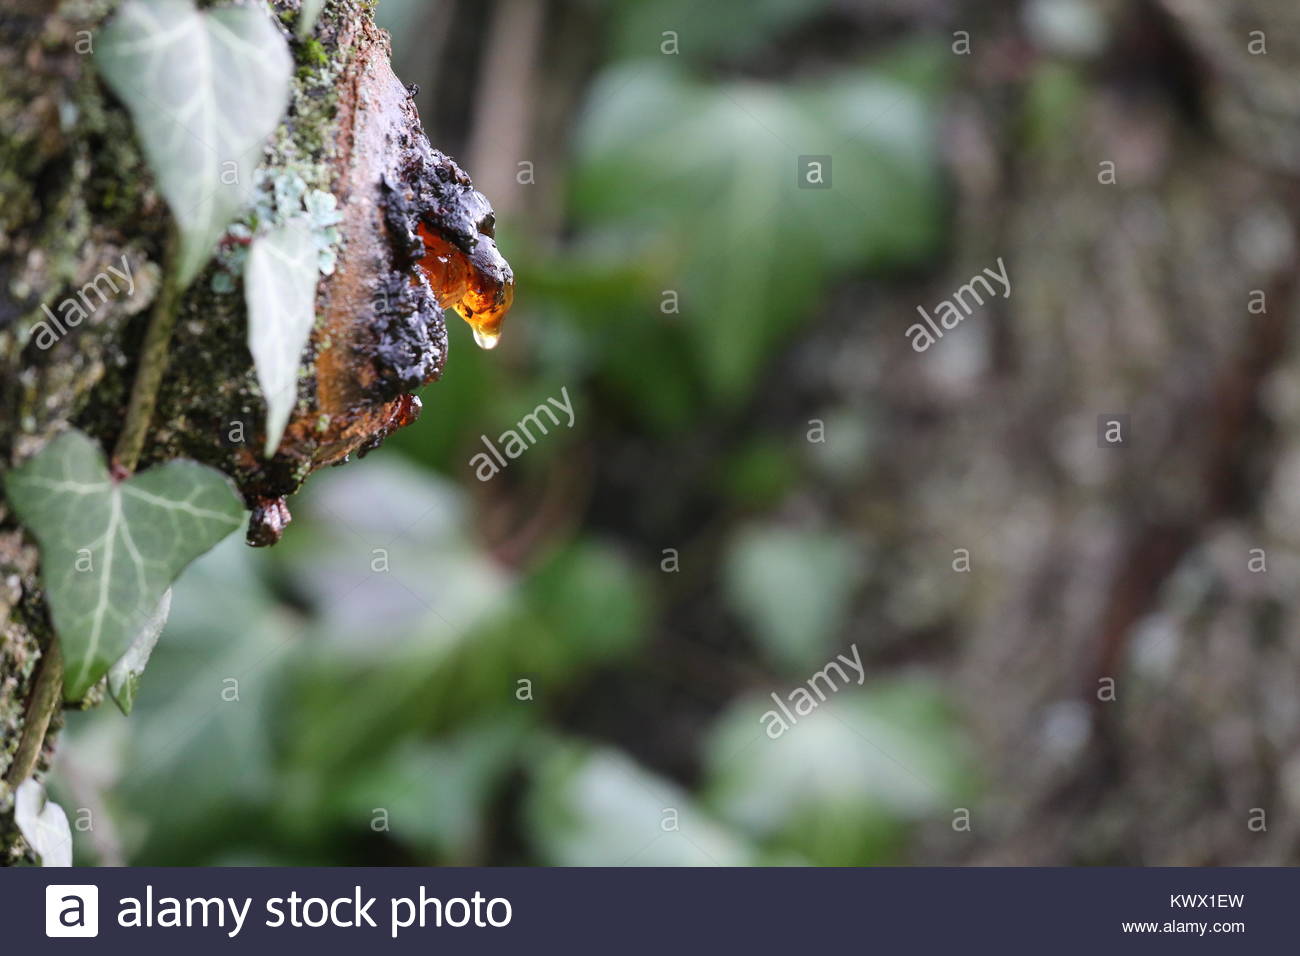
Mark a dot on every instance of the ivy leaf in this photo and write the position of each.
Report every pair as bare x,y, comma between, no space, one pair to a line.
793,588
43,824
842,783
588,806
204,91
705,179
109,549
124,676
280,290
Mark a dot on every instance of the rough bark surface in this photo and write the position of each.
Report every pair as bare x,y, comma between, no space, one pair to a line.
1118,722
75,194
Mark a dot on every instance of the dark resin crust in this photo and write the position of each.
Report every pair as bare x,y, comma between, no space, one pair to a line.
382,333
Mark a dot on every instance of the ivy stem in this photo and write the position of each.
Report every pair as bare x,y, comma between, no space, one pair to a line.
46,695
153,362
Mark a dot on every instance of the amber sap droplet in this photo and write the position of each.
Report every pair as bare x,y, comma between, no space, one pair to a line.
478,285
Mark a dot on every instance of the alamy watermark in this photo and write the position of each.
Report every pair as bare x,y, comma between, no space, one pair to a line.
76,308
950,312
515,441
801,698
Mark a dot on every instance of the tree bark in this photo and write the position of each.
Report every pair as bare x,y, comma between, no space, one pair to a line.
76,194
1123,664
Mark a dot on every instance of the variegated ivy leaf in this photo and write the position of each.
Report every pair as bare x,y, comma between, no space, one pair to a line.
109,549
124,676
43,824
280,291
204,90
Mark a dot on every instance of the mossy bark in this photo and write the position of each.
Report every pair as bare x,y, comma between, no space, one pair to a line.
76,196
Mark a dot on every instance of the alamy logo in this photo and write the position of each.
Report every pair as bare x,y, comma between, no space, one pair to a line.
76,308
71,910
958,306
517,440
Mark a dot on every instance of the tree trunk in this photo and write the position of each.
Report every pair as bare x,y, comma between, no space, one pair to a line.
1152,221
75,194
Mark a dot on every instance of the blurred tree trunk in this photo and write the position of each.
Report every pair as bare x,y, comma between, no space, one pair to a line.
75,193
1145,200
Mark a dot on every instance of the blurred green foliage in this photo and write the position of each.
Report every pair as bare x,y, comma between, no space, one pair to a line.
495,696
793,589
699,182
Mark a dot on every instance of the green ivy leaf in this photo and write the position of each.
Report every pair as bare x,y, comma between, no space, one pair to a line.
842,784
110,549
593,806
204,91
43,824
704,178
793,588
280,290
124,676
187,762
